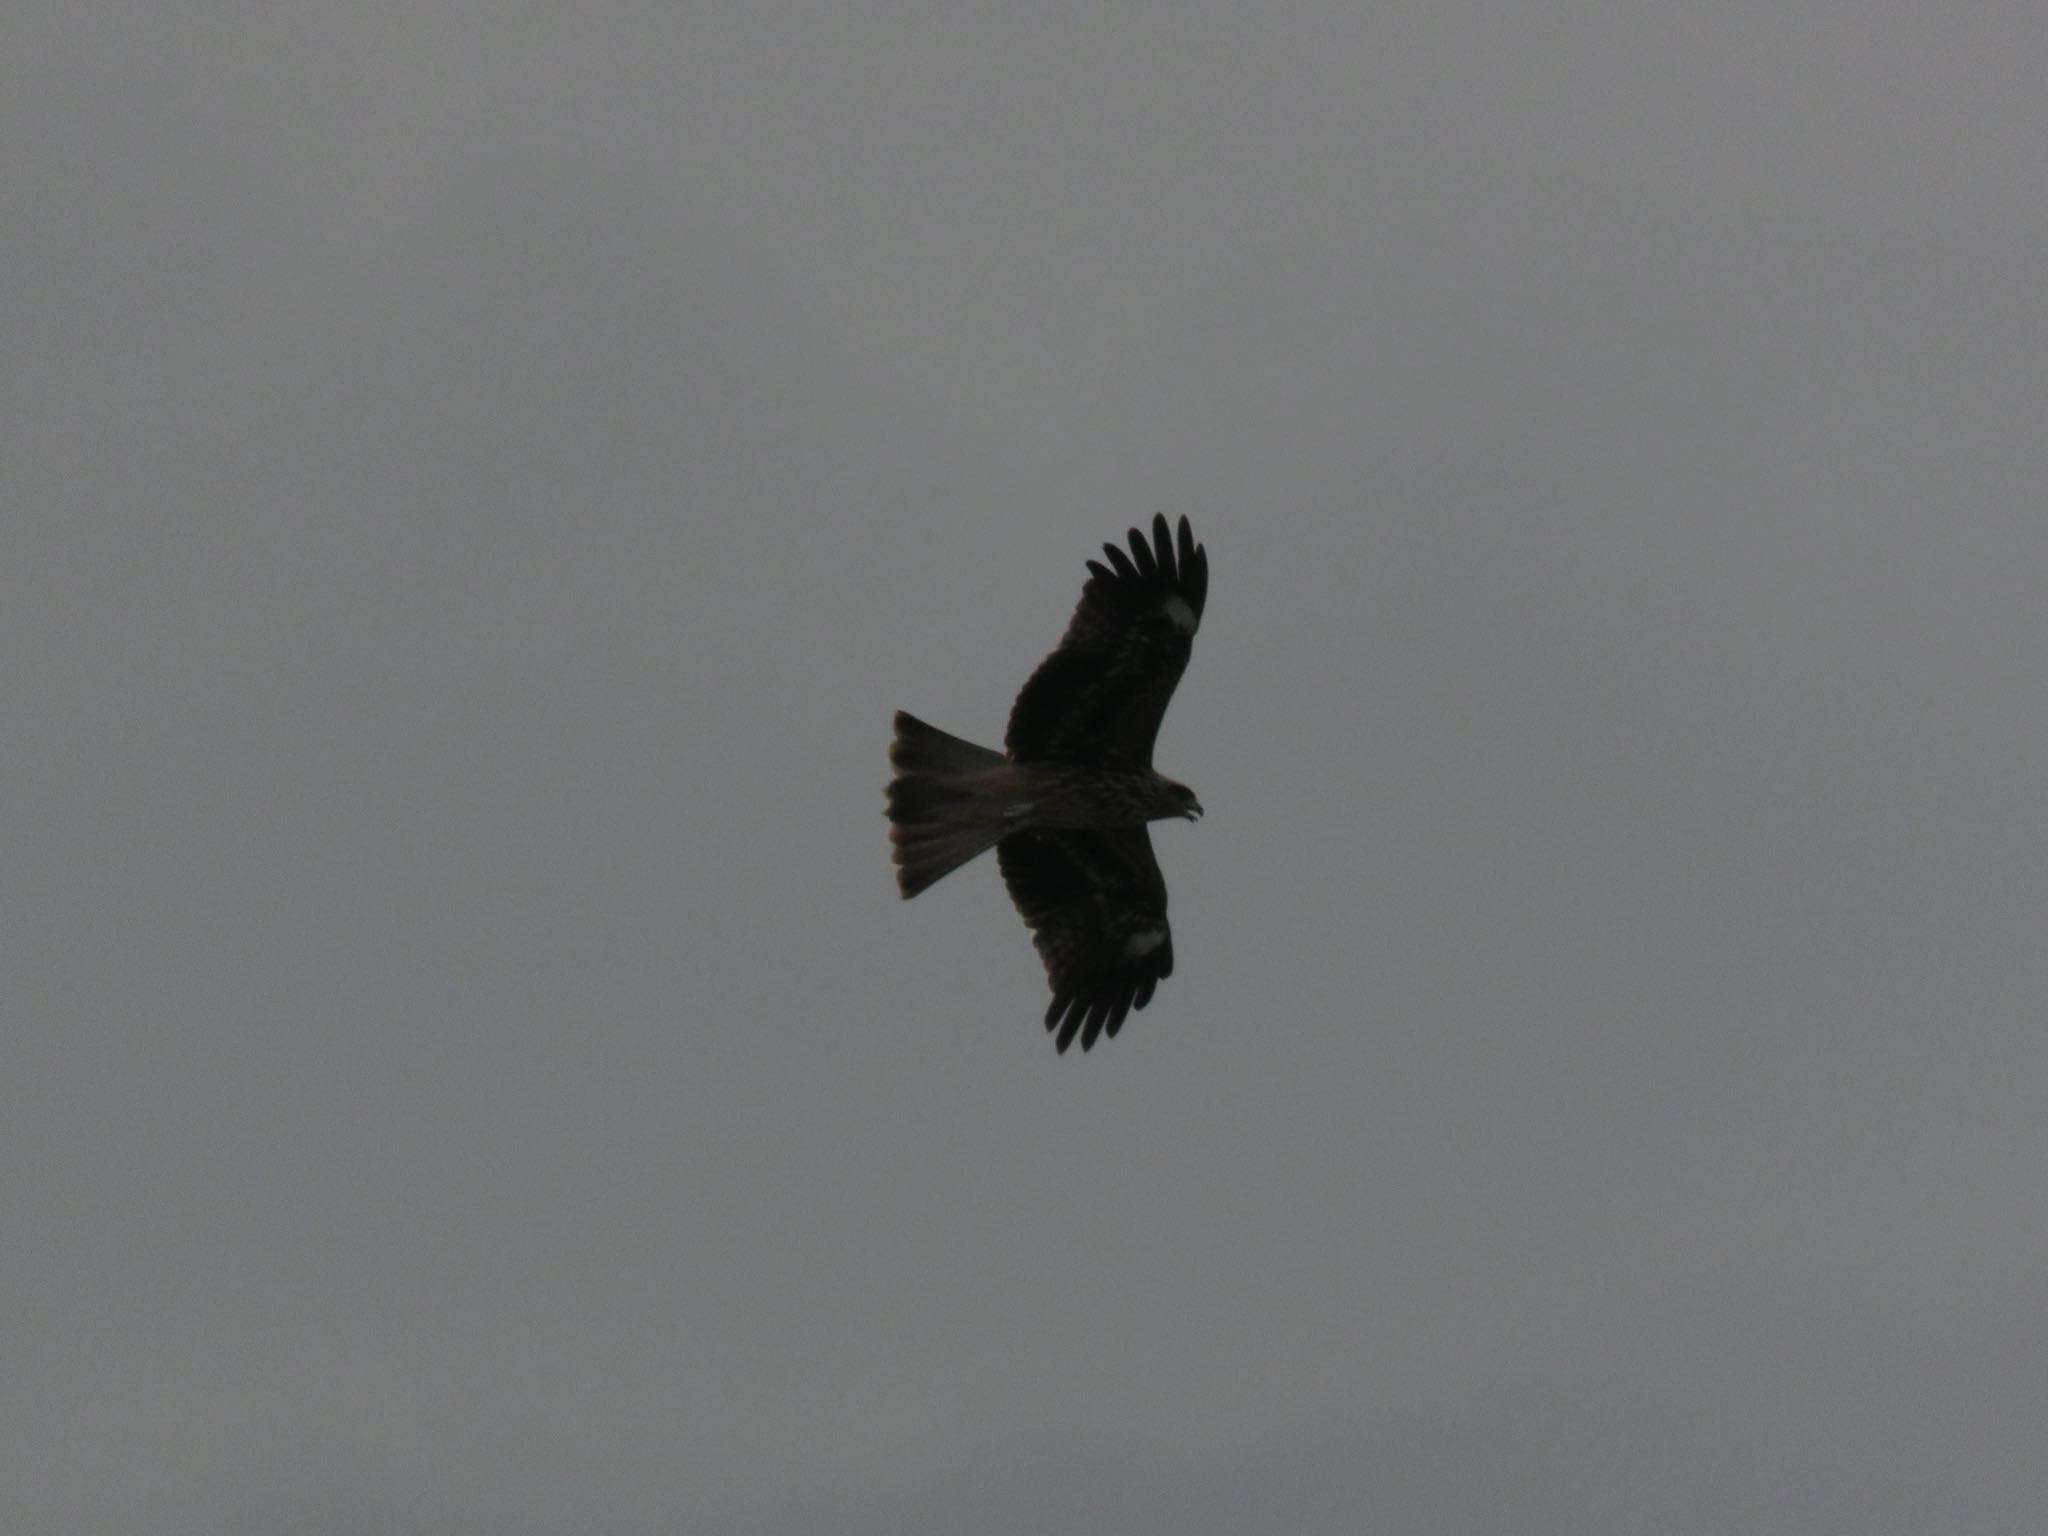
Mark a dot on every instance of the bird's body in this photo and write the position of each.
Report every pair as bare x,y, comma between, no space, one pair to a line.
1066,806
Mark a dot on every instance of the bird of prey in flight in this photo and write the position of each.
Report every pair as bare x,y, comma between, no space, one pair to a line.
1065,806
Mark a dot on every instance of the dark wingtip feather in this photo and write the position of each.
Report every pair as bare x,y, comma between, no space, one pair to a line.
1118,1014
1091,1024
1069,1027
1055,1013
1121,562
1194,569
1141,553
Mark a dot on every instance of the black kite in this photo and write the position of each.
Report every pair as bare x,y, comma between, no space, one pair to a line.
1065,807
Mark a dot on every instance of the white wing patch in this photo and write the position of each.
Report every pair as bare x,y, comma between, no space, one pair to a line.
1141,944
1179,614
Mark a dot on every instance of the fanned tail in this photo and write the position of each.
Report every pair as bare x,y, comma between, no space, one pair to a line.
941,809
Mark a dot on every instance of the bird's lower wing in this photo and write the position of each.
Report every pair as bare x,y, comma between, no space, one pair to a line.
1096,906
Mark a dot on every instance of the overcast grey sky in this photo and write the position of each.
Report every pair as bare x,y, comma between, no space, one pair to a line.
476,480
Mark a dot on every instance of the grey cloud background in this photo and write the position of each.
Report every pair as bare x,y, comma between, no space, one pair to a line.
476,480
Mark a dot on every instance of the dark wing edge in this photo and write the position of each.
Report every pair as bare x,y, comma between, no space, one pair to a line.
1102,693
1096,906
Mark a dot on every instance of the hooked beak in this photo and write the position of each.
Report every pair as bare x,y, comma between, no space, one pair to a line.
1194,811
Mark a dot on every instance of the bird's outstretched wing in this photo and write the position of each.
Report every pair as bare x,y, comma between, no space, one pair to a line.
1096,906
1099,697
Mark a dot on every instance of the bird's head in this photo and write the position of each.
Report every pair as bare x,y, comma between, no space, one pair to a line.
1179,800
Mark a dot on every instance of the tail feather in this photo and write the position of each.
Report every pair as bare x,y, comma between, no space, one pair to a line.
938,819
923,863
925,749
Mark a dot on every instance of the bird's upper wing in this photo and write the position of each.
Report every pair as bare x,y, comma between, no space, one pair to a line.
1099,697
1096,906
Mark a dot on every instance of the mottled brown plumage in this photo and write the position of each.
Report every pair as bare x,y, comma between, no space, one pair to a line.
1066,806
